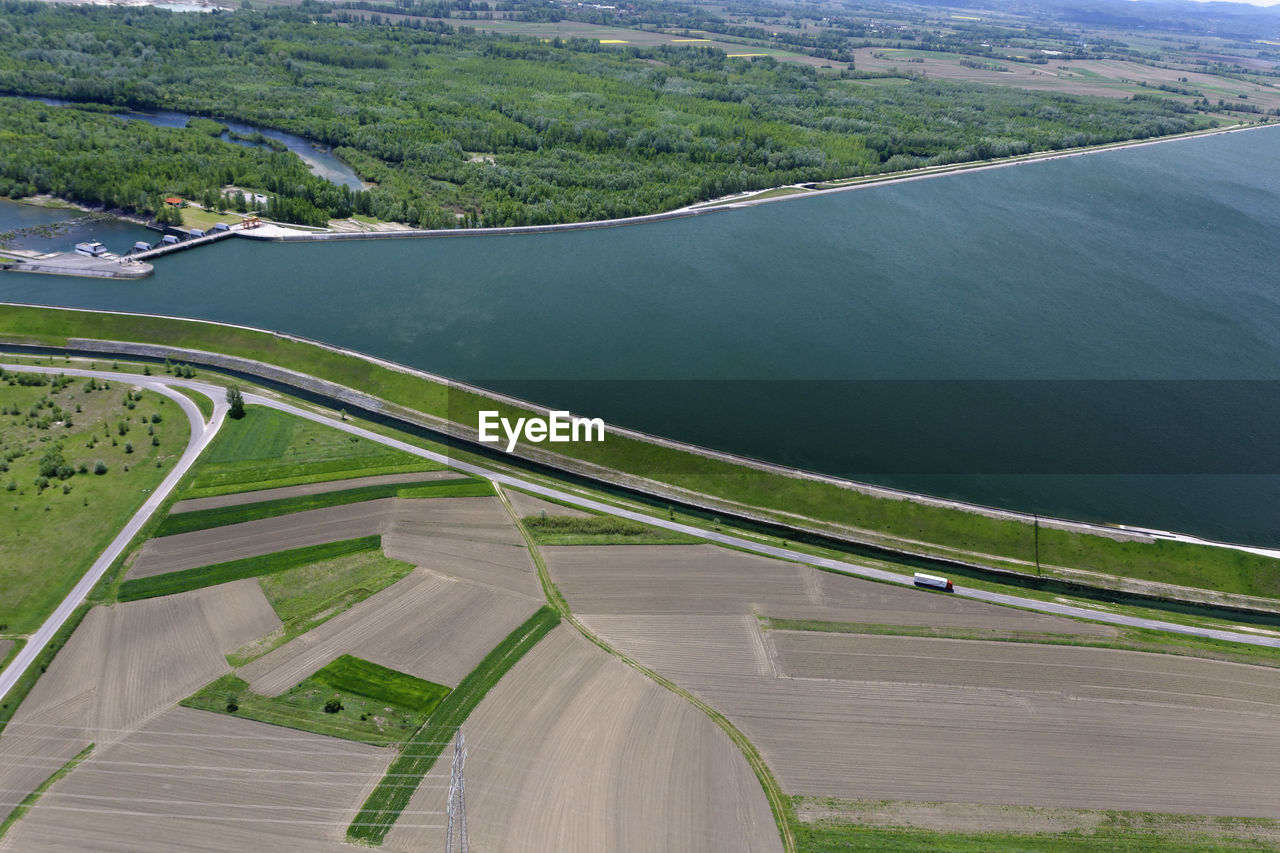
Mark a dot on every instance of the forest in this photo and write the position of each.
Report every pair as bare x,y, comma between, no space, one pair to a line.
453,127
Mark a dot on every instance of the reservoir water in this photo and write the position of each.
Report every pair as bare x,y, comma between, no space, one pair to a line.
845,333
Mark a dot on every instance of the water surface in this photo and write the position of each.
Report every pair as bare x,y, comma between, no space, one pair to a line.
1152,263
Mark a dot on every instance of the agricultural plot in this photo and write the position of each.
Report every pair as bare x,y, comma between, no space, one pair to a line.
121,666
922,719
241,498
469,538
575,751
427,625
269,449
210,783
205,519
258,538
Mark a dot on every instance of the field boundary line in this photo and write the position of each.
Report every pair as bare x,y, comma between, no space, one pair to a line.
779,804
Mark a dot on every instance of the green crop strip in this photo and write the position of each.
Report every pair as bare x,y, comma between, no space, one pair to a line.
250,567
186,522
600,530
350,674
393,793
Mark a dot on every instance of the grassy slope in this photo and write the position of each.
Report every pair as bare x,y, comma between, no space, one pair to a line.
267,449
250,567
310,595
49,539
600,530
186,522
393,793
1205,567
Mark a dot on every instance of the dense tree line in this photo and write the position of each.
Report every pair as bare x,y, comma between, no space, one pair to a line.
94,158
456,127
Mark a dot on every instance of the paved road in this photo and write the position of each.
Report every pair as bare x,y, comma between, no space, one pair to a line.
201,435
765,549
206,434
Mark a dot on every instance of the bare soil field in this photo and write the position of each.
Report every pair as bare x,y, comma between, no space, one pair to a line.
240,498
123,665
575,751
426,624
256,538
5,646
529,505
1069,672
470,538
707,579
870,717
681,645
207,782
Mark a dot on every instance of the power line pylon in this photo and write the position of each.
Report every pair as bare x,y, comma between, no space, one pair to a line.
457,796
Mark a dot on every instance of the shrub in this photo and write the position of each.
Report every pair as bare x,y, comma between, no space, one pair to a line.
333,706
99,467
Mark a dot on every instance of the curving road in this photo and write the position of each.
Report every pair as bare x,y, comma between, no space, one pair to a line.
203,433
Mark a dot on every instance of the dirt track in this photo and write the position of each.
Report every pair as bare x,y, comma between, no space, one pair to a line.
428,625
240,498
907,718
574,751
197,781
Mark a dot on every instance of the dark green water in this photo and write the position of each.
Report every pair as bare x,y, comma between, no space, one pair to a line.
1155,263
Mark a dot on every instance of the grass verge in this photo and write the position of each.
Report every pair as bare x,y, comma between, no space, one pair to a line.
18,643
1127,639
830,825
600,530
250,567
30,799
389,798
307,708
204,519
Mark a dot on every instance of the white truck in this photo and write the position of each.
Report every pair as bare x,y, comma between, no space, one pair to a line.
934,582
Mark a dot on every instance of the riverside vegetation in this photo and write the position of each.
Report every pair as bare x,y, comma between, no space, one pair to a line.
457,127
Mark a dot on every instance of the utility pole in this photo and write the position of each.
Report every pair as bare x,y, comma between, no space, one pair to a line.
457,796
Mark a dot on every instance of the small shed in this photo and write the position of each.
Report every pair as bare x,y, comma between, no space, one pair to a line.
196,232
169,239
219,227
92,249
142,246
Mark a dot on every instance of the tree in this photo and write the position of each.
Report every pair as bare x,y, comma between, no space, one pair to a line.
236,401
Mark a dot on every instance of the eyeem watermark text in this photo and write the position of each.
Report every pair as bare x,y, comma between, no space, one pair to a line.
557,427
